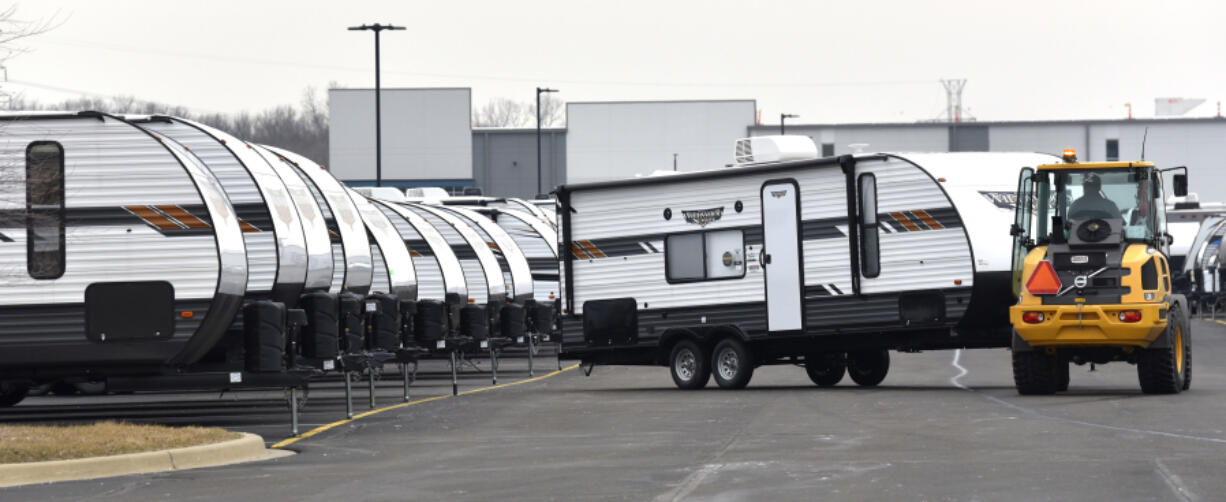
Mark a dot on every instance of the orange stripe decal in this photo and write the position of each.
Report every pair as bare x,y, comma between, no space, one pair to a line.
928,219
414,254
247,227
183,216
153,217
578,251
906,222
591,249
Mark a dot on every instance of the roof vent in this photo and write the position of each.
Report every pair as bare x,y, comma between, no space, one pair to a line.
765,149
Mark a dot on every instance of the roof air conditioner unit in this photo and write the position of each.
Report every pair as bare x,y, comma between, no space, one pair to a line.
765,149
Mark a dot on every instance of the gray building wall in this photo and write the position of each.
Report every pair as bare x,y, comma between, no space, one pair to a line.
504,161
1199,143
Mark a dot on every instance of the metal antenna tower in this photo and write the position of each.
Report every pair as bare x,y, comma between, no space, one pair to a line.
953,99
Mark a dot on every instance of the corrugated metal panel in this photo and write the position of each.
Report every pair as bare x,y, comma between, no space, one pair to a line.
263,262
310,216
436,258
483,275
353,234
396,265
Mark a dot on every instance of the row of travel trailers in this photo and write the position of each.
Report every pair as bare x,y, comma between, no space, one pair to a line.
155,252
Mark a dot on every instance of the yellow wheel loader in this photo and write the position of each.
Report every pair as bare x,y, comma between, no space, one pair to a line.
1092,276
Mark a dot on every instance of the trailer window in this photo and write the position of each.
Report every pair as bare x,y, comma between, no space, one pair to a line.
45,210
684,255
699,256
870,243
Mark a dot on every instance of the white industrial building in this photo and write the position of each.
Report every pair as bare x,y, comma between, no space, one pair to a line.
428,141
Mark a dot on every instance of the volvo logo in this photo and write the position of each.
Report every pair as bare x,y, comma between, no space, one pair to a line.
1080,281
703,217
1079,259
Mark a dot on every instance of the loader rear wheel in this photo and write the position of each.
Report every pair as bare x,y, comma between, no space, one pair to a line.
1036,373
868,367
826,369
1062,381
731,364
12,393
1163,370
689,365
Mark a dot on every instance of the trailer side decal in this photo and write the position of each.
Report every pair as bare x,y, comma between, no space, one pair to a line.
916,220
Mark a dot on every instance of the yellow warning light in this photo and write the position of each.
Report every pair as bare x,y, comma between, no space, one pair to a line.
1070,155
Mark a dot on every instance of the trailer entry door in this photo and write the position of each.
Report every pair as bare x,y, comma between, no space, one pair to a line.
780,256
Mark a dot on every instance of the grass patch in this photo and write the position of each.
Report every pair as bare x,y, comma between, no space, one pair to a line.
36,443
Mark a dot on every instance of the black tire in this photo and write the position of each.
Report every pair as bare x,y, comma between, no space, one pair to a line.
868,367
1062,378
1187,356
826,369
689,365
1162,370
62,388
731,364
1035,373
12,393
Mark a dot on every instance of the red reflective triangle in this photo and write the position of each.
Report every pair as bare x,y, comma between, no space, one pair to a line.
1043,281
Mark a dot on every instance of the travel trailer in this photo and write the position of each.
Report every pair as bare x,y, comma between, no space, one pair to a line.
785,258
123,254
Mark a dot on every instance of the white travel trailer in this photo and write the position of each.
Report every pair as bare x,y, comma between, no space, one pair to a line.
272,232
832,262
1202,275
122,253
544,212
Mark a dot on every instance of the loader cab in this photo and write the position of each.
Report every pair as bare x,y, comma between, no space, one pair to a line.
1091,206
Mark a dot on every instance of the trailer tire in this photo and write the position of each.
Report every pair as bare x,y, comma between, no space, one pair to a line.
12,393
731,364
868,367
689,365
826,369
1035,372
1163,370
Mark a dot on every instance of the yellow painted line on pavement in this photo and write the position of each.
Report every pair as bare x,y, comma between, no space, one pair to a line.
1220,322
288,441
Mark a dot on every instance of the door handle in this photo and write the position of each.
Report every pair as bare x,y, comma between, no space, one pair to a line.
766,258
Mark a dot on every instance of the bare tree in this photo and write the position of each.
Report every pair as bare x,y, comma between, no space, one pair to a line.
13,29
503,112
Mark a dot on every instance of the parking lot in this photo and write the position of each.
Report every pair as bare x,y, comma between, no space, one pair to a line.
944,425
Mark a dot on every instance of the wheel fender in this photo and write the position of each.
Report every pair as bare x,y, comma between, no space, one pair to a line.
1178,303
1020,345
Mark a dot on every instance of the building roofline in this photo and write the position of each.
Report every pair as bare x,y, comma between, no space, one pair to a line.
513,130
1072,122
662,101
367,89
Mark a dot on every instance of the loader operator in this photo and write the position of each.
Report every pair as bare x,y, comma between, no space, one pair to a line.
1092,204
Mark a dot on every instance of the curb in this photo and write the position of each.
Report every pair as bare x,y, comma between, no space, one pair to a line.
247,448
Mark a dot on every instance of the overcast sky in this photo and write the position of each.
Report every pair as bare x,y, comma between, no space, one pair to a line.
827,61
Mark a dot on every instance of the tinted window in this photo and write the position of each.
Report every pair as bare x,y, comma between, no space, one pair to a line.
684,255
1113,149
45,210
870,244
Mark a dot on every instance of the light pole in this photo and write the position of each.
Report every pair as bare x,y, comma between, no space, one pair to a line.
378,91
539,91
782,118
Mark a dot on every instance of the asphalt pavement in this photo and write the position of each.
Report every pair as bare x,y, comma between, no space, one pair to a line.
945,425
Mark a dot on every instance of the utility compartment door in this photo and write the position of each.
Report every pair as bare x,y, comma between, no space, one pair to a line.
781,255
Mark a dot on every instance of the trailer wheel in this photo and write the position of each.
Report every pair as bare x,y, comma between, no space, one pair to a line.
732,364
1035,372
868,367
12,393
826,369
689,365
1163,370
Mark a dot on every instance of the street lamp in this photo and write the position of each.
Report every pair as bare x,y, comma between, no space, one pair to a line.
539,91
378,122
783,117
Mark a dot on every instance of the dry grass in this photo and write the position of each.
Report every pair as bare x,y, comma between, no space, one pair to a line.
35,443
